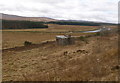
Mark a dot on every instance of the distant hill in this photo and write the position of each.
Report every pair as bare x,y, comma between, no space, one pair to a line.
20,22
21,18
80,22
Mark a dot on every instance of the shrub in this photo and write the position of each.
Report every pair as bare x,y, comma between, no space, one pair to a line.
98,34
26,43
82,38
87,36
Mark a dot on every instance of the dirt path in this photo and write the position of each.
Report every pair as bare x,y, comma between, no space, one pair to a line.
29,47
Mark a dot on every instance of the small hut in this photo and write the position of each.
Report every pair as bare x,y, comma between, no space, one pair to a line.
64,40
105,31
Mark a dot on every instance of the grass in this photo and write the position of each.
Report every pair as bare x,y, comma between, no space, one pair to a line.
16,37
82,61
13,39
79,62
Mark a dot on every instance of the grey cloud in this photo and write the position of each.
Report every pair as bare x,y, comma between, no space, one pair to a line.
99,10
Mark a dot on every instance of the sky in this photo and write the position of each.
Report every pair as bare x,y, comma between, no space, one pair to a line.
89,10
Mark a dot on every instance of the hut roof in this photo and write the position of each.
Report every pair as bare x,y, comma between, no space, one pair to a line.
61,36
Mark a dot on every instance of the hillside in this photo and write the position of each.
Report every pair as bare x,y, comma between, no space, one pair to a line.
54,21
19,22
20,18
94,59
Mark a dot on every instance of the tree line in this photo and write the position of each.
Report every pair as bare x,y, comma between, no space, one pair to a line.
8,24
79,23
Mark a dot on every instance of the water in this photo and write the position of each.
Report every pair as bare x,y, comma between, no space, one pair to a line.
99,30
92,31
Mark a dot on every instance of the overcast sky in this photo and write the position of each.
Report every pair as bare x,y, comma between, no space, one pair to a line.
90,10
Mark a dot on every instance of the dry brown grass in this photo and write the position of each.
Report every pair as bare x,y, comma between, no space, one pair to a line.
81,62
13,39
16,37
55,27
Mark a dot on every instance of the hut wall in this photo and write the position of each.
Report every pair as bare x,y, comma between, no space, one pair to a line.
64,41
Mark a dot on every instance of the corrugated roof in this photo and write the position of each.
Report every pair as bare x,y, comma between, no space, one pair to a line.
61,36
